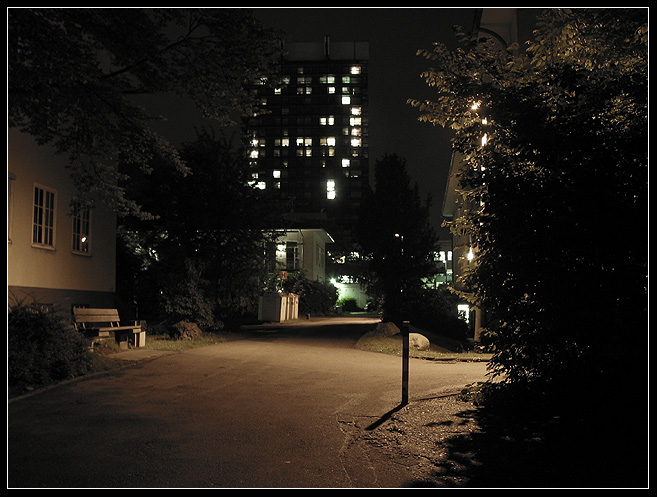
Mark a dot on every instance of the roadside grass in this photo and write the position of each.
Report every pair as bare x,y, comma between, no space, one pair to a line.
164,342
393,345
105,349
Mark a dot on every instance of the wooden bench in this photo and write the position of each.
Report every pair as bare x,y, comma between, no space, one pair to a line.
106,323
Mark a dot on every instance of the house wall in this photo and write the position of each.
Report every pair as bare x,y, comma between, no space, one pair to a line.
311,244
56,275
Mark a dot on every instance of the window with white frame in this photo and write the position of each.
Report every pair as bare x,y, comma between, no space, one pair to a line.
43,218
81,228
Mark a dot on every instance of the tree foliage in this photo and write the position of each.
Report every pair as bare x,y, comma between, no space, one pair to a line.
395,237
558,193
204,253
74,74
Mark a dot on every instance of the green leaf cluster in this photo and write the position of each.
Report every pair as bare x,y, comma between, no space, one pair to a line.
79,78
556,194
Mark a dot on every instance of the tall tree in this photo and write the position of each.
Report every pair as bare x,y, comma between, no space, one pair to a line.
205,252
558,191
396,237
73,73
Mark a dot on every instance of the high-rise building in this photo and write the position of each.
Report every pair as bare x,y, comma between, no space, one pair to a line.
308,141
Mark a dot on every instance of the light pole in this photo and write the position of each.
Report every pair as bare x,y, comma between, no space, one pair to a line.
406,328
405,332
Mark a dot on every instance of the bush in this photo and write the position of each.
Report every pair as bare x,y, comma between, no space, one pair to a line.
435,309
348,304
314,297
43,348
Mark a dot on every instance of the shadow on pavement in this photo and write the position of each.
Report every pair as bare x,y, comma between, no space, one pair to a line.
524,448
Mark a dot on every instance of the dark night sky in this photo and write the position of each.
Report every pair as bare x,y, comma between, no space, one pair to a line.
394,36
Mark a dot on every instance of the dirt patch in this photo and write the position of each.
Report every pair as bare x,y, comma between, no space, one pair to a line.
449,442
418,437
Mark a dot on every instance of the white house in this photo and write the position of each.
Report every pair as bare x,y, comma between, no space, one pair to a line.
303,249
57,254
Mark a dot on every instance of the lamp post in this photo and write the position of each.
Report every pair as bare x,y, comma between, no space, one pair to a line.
405,332
406,328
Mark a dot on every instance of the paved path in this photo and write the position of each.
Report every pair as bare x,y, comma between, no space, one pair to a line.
276,410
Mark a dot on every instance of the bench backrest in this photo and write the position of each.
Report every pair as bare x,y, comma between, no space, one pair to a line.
85,315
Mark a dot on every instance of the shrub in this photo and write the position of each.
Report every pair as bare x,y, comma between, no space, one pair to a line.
314,297
43,348
348,304
435,309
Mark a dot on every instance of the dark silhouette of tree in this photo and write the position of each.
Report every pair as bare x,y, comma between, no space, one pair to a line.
204,254
396,238
558,193
74,73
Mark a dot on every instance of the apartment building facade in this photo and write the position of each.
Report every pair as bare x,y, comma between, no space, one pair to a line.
308,142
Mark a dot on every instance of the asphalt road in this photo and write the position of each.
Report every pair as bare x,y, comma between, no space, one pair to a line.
277,410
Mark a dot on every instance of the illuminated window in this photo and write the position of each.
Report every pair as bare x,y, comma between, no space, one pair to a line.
277,91
330,189
329,141
356,111
276,173
254,154
355,132
291,256
346,79
355,70
346,162
346,100
327,79
356,142
327,121
331,89
81,228
355,121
